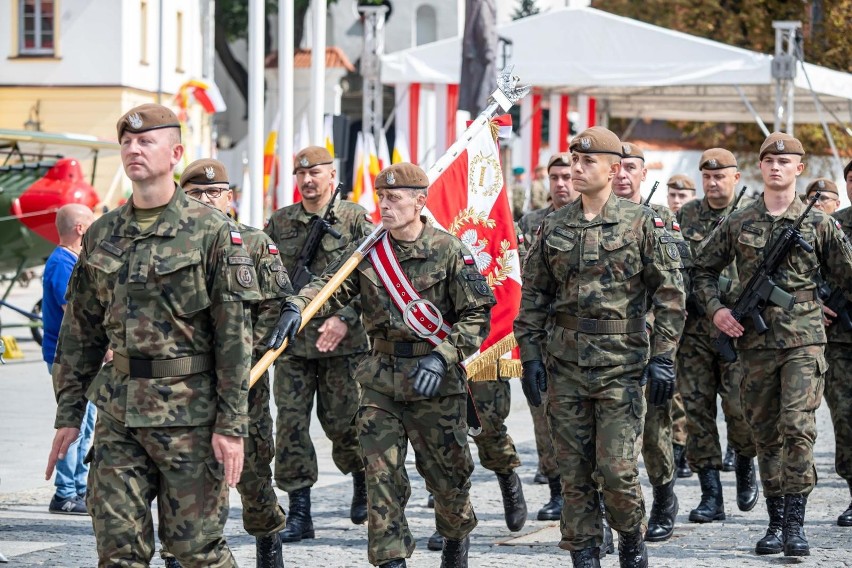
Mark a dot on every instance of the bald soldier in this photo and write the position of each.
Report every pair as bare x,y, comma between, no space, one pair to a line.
681,190
584,339
166,283
417,282
321,363
784,367
705,374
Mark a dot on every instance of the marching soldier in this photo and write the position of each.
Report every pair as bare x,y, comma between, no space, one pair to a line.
784,367
584,339
207,181
417,282
706,373
323,360
166,283
662,452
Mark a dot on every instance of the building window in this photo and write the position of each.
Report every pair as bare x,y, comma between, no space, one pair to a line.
36,27
179,43
427,25
143,33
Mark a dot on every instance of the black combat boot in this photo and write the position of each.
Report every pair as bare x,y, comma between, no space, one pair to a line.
729,462
552,510
299,522
586,558
435,542
269,553
514,504
681,463
771,542
395,563
608,542
172,562
712,506
631,550
540,478
663,512
455,553
747,489
358,509
845,519
795,541
430,501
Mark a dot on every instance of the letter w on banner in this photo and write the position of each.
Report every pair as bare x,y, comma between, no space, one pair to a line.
469,200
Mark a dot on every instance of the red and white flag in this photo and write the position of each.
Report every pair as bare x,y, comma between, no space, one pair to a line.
470,201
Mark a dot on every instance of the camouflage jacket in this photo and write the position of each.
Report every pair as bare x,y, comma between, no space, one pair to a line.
697,220
603,269
288,227
743,237
180,288
273,282
435,265
836,333
530,223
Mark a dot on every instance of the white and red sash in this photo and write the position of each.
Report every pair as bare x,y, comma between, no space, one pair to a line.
420,316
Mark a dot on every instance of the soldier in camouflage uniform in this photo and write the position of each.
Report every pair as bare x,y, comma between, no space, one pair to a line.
584,339
207,181
561,193
783,369
838,387
680,191
706,374
166,283
412,390
323,359
658,445
829,198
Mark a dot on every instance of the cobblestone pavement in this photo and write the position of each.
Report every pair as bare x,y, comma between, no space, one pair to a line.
29,536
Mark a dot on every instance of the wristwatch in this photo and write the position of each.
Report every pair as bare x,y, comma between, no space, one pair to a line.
343,319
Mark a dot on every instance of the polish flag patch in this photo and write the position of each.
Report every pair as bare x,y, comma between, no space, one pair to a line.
273,249
838,225
236,238
658,223
468,259
675,226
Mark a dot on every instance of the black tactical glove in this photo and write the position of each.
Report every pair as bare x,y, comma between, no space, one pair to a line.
429,374
534,381
287,326
661,373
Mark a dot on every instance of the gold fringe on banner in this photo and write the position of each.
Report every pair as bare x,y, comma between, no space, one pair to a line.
489,358
510,368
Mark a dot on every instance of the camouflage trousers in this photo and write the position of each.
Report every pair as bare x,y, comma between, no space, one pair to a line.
679,430
296,381
657,450
781,390
838,395
543,441
133,466
596,418
437,430
702,376
496,448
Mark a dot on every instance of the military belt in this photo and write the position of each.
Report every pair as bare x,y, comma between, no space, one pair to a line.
585,325
160,368
805,295
402,348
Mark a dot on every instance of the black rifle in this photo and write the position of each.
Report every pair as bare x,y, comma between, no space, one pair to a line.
317,228
761,289
740,196
835,300
653,189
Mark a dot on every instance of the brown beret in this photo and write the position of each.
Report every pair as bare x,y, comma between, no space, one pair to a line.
204,172
822,185
146,117
312,156
716,159
402,176
781,143
561,159
681,181
596,140
629,150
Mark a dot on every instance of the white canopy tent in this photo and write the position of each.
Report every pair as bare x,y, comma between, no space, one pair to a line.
637,70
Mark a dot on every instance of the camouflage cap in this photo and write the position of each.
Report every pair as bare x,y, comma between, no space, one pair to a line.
629,150
596,140
716,159
681,181
312,156
402,176
204,172
146,117
823,185
561,159
781,143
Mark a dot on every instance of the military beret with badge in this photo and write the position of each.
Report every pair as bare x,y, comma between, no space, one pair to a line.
822,185
781,143
561,159
630,150
597,140
312,156
146,117
681,181
717,159
402,176
206,171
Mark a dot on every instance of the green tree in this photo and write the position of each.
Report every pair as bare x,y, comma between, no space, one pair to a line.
524,9
748,24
